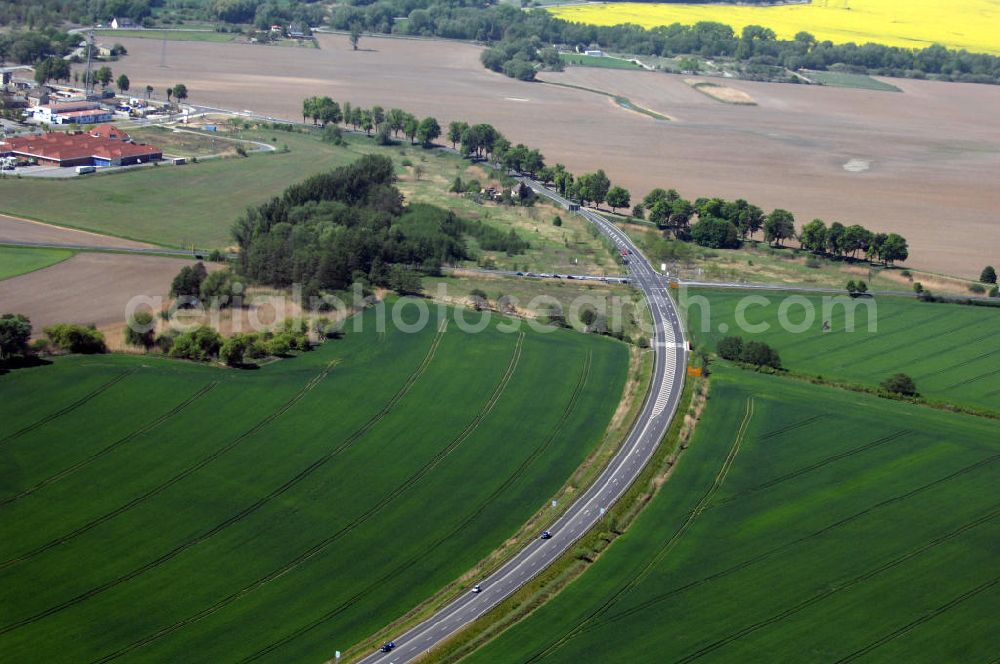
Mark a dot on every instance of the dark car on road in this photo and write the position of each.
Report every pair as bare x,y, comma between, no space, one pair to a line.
386,647
546,534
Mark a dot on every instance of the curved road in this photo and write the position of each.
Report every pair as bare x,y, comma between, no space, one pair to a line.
651,425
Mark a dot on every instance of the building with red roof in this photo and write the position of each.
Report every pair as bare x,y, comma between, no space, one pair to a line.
99,148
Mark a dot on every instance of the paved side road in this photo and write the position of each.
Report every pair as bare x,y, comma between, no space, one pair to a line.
657,411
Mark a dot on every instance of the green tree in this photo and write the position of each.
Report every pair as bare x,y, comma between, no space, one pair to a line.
396,119
233,350
15,331
730,348
618,197
123,83
149,91
73,338
988,275
813,236
187,283
180,92
715,233
410,127
779,226
894,249
141,330
428,131
404,280
104,76
760,354
900,384
355,35
455,130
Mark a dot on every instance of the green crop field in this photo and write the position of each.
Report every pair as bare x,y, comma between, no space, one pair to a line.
949,350
21,260
195,204
804,522
285,512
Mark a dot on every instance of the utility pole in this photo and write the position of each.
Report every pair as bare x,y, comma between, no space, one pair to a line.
88,80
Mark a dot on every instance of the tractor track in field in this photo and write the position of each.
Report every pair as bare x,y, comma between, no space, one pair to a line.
910,626
176,551
791,427
388,576
878,442
974,379
144,429
665,548
749,562
809,340
962,363
878,337
846,585
308,387
69,408
936,339
386,500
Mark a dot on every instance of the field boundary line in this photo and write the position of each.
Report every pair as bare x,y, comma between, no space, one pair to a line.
144,429
308,387
829,592
781,547
67,409
944,608
666,547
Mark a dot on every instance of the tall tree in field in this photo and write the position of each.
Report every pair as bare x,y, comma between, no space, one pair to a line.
149,91
355,35
378,116
813,236
618,197
104,76
455,130
428,131
410,127
835,239
180,92
123,83
15,332
779,226
988,275
895,249
597,185
396,119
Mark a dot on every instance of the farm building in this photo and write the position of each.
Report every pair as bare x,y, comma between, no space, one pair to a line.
105,146
73,112
122,23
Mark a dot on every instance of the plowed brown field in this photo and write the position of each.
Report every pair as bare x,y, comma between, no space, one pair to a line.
924,162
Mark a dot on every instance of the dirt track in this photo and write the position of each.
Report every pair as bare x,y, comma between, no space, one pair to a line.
89,288
924,162
13,229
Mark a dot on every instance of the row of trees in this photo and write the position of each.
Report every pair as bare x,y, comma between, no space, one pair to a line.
854,241
510,30
385,123
15,334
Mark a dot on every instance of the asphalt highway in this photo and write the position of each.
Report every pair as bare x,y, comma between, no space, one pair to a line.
657,411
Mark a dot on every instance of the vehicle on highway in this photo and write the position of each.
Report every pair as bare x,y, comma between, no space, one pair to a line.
386,647
546,534
477,588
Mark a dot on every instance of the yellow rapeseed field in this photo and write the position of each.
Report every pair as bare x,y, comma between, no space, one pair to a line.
970,24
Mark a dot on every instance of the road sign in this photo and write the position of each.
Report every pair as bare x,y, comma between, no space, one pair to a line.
336,656
554,503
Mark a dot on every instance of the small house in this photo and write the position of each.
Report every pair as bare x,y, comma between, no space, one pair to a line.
123,23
